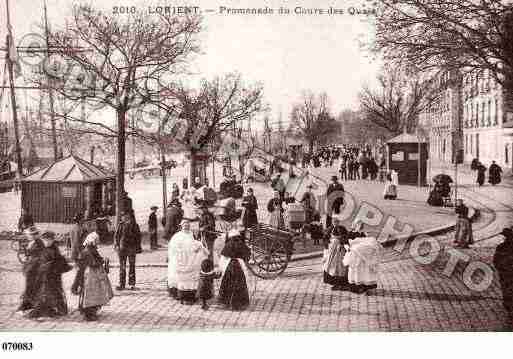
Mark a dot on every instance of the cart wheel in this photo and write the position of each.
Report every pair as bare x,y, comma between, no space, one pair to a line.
268,260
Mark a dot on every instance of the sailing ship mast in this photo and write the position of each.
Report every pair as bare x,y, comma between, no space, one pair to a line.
50,92
11,51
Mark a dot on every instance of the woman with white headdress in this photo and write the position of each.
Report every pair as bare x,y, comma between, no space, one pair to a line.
362,258
233,291
91,282
185,255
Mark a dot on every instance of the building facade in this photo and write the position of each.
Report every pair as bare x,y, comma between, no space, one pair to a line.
473,110
487,120
440,121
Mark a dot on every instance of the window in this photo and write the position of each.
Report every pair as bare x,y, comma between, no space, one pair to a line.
471,118
471,144
488,114
466,144
483,114
506,154
496,114
476,120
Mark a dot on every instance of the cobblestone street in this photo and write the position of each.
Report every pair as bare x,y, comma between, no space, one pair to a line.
410,297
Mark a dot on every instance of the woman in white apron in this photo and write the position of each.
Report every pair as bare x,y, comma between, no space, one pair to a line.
185,255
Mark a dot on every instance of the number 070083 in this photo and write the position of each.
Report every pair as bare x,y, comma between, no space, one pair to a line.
15,346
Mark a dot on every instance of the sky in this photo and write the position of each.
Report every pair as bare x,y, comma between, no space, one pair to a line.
288,54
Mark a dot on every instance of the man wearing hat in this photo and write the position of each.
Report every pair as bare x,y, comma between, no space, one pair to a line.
335,197
174,215
152,227
127,245
503,262
308,202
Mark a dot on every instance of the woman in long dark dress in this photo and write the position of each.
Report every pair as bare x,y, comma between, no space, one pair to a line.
494,174
249,202
50,299
233,292
481,170
30,270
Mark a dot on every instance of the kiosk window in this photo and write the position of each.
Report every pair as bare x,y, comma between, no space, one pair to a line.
398,156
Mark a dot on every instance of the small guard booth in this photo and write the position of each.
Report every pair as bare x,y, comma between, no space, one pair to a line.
57,193
403,156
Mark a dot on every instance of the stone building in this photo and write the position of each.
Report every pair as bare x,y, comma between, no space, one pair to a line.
440,122
487,120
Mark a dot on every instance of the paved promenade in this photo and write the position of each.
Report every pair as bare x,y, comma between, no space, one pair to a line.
411,296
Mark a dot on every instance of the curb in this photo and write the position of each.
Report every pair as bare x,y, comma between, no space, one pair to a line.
300,257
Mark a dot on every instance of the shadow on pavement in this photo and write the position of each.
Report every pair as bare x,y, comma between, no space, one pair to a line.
428,296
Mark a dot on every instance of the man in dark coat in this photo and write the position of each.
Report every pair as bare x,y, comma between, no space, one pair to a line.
127,203
173,218
335,197
152,227
503,262
127,242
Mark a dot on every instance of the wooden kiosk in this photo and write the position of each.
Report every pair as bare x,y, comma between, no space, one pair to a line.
55,194
407,154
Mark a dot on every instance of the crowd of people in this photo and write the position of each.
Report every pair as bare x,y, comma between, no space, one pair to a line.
350,261
355,162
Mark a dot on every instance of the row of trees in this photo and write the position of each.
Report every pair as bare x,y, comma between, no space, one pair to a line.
312,119
419,38
137,67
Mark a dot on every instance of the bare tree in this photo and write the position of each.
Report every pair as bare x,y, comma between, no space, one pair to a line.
452,34
357,128
119,54
211,111
399,98
311,117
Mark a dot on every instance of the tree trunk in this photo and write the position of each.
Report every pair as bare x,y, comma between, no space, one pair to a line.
192,168
164,179
310,146
120,173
